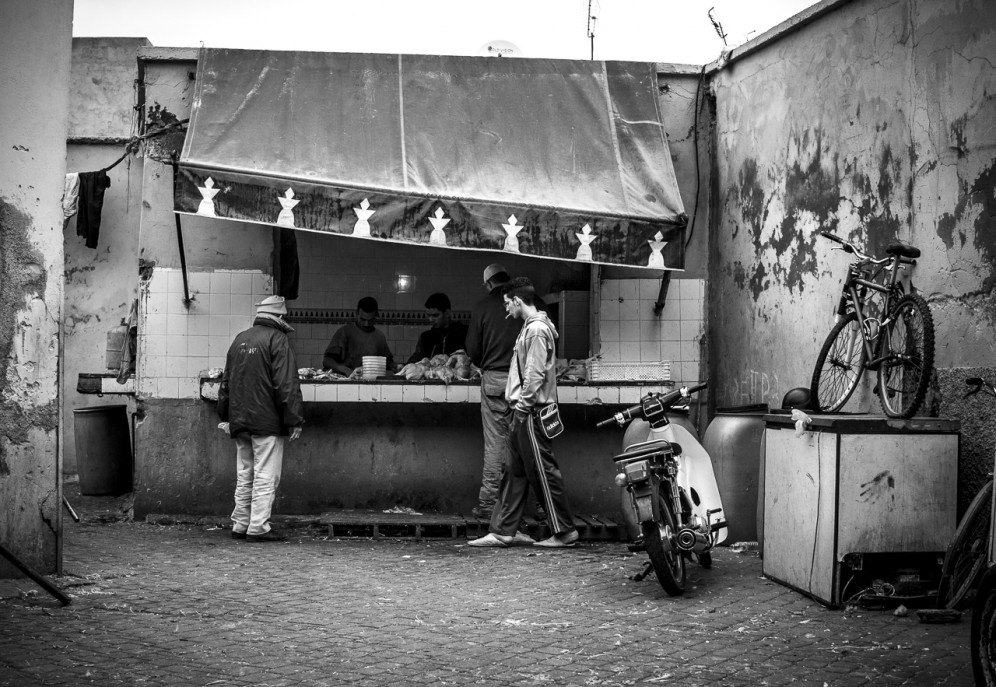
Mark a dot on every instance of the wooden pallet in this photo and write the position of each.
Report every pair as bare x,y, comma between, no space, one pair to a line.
377,524
374,524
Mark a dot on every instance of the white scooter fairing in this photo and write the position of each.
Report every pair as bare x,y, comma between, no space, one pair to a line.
695,473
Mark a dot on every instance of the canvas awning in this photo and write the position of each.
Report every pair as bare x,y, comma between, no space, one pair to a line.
563,159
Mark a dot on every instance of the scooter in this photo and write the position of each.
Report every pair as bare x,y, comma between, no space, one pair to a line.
672,490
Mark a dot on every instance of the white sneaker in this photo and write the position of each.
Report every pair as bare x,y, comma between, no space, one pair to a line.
492,540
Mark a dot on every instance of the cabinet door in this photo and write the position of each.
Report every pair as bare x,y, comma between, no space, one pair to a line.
897,492
800,493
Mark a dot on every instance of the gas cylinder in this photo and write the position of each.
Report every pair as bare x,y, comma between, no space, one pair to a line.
117,339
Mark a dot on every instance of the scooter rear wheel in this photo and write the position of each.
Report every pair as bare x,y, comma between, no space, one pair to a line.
667,559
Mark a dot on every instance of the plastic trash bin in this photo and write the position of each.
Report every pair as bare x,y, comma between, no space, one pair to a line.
103,450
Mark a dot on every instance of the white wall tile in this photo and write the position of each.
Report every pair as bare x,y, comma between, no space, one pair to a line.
198,346
689,351
199,282
629,289
218,346
630,310
629,351
155,345
176,366
242,283
629,331
220,303
176,324
196,365
691,330
176,345
155,325
242,305
167,387
198,325
326,393
690,309
156,302
188,387
650,351
347,392
152,366
221,282
609,330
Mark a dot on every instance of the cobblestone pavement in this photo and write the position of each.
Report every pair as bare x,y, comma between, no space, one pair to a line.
188,605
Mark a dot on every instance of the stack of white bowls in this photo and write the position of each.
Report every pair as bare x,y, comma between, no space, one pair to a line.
374,366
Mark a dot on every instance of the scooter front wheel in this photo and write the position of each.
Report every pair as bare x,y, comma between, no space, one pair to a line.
667,559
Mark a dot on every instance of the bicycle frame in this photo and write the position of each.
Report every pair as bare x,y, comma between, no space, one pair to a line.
850,297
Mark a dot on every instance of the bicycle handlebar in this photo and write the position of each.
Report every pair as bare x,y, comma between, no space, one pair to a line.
849,247
980,384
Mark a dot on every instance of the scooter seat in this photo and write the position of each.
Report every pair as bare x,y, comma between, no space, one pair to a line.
645,450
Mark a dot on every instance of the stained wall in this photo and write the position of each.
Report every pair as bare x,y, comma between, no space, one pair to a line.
874,121
35,42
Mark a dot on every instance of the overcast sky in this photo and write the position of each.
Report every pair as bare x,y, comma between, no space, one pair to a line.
677,31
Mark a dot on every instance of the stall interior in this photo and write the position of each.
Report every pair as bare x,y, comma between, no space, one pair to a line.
337,271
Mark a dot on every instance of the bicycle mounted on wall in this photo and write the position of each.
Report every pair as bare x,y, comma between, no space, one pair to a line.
878,327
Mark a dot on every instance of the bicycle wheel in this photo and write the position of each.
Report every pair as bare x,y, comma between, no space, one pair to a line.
966,556
909,341
668,561
839,366
984,631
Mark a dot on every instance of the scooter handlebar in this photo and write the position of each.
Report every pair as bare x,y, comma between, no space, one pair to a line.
668,400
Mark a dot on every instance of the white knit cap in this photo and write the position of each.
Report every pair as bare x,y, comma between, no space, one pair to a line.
275,305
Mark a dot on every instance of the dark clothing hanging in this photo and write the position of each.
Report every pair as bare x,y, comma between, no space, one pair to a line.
289,270
92,186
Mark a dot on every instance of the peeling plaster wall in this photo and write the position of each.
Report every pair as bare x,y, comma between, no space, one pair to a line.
101,282
35,42
208,244
876,122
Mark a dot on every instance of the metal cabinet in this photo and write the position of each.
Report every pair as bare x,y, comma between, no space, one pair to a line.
854,485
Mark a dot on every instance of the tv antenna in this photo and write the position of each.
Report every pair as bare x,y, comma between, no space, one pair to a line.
716,25
592,19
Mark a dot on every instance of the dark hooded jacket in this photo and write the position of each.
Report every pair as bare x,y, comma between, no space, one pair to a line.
260,392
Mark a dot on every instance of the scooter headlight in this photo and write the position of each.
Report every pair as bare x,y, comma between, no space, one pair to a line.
621,479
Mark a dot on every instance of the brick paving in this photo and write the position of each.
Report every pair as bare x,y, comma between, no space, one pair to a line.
187,605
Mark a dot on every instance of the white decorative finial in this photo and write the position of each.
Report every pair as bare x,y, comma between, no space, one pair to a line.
208,192
438,236
511,229
287,202
585,237
656,246
363,213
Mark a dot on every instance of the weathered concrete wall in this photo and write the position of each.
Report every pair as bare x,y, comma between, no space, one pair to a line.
208,244
357,455
875,121
35,42
101,282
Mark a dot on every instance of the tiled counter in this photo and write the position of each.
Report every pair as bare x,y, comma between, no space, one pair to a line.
459,392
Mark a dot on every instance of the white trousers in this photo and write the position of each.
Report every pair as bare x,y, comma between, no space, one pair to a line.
259,461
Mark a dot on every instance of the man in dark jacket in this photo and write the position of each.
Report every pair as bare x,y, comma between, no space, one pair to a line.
260,399
490,342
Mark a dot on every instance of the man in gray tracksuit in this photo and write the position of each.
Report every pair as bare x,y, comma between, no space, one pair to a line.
532,384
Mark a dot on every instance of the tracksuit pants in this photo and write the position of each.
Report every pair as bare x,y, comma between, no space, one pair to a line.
531,464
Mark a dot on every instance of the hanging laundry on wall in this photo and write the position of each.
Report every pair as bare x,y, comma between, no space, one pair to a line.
91,203
70,198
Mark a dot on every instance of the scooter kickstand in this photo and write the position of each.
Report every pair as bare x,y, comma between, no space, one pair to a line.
647,567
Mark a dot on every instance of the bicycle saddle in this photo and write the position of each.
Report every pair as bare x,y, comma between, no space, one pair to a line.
902,250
